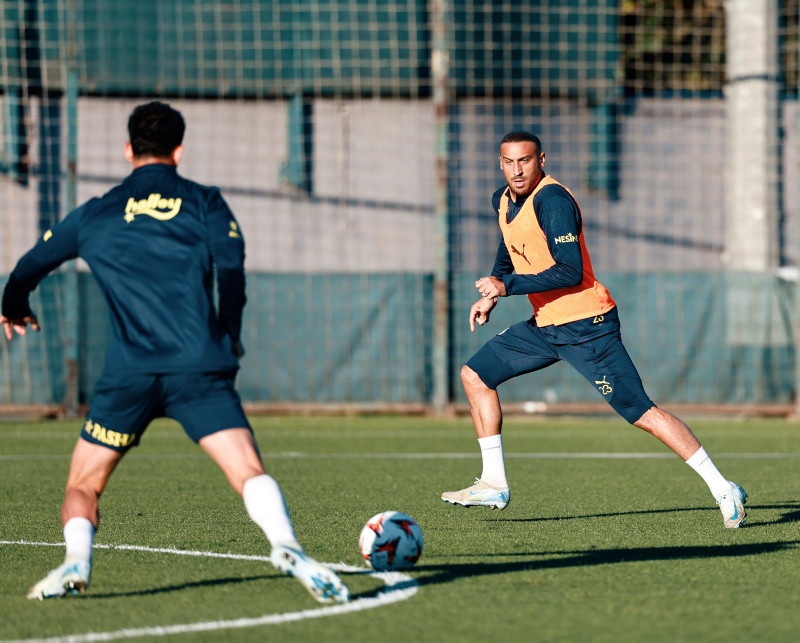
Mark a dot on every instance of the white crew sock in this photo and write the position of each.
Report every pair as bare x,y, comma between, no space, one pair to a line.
79,537
701,462
267,508
494,467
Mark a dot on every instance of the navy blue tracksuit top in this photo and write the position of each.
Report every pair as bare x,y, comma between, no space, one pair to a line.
153,244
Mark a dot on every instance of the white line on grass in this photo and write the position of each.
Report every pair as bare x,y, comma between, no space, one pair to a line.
399,587
426,456
155,550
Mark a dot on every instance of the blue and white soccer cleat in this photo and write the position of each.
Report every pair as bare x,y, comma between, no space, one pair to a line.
732,506
320,581
72,577
481,494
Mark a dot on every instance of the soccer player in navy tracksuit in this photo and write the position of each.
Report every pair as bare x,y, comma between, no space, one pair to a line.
153,244
543,255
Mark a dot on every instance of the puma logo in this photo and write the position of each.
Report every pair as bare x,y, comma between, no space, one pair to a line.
521,254
604,386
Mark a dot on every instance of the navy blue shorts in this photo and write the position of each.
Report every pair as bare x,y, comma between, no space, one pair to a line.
603,361
125,403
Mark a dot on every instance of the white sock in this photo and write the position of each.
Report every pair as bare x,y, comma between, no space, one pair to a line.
701,462
494,467
267,508
79,537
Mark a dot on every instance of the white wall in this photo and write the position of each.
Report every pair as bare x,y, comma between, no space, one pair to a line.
374,181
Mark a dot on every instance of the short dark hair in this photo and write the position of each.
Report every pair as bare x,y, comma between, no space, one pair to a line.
520,136
155,129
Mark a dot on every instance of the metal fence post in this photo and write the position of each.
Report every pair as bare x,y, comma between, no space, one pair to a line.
71,312
440,13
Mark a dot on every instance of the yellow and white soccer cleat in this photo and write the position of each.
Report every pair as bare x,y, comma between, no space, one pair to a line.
732,507
481,494
71,576
320,581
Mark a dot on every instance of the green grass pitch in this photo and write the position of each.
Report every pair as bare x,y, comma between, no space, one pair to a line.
608,536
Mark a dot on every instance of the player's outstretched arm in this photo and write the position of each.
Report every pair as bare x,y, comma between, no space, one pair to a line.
18,325
54,247
480,312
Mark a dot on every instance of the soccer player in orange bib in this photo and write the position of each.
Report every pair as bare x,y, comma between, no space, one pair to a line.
543,256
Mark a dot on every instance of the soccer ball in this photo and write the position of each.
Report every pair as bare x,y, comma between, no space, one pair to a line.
391,540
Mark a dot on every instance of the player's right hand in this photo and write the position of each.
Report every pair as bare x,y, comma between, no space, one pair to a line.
238,349
18,325
480,312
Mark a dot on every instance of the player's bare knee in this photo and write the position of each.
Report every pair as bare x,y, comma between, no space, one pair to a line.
470,379
648,420
87,482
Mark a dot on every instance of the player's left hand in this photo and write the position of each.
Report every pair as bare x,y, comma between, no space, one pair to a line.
491,287
480,311
18,325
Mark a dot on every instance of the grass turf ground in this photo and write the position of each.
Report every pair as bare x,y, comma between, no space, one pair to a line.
591,547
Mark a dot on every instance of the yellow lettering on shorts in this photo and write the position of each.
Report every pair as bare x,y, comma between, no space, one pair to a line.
107,436
96,429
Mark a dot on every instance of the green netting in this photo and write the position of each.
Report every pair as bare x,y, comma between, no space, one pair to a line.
356,141
380,350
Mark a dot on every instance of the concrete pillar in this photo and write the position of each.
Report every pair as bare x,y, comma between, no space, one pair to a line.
752,183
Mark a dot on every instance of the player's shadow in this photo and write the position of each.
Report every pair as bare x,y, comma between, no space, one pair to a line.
752,520
610,514
792,515
590,558
178,587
